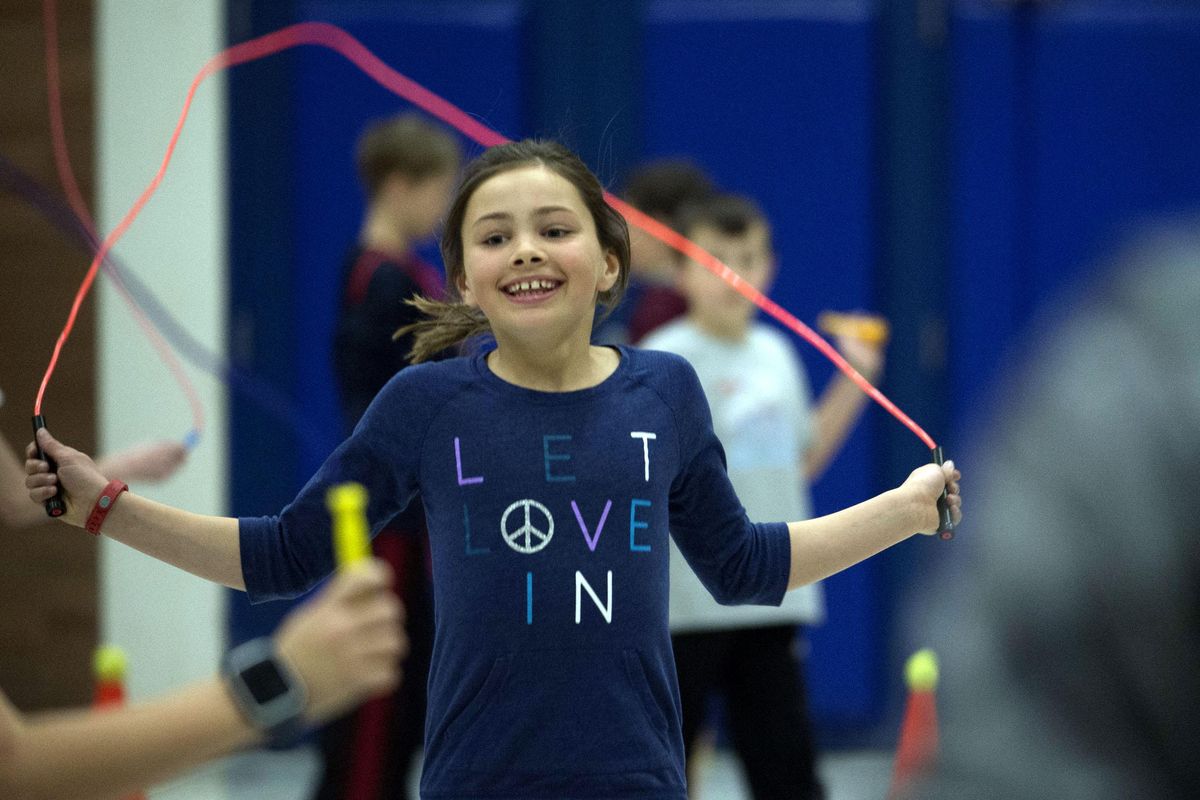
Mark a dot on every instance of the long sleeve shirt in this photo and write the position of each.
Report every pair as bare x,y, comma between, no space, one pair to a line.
548,516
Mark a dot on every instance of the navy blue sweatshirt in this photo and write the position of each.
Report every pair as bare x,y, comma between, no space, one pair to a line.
548,516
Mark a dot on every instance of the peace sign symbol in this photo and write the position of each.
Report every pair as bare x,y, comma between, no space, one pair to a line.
523,538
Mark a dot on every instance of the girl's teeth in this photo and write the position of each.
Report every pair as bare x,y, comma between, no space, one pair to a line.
529,286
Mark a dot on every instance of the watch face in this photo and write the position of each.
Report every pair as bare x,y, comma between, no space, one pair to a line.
264,682
269,696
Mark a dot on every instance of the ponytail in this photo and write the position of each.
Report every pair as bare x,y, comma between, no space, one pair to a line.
447,325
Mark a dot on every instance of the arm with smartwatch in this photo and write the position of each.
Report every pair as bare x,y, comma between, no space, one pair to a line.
329,654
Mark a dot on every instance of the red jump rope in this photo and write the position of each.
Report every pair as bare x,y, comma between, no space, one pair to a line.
330,36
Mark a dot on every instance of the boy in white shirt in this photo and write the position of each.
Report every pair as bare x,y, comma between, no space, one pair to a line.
775,444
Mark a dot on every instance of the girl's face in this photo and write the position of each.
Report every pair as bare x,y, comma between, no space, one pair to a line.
532,262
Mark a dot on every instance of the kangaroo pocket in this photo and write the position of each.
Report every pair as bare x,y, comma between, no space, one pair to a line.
560,714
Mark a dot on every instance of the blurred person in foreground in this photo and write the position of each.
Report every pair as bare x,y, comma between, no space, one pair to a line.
1069,630
339,648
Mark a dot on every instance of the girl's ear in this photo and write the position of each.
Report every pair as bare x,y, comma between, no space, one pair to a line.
612,271
468,297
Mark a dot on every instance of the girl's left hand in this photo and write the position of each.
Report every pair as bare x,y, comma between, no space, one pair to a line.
925,485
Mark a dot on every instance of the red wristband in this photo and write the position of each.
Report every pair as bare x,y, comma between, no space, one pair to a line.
104,504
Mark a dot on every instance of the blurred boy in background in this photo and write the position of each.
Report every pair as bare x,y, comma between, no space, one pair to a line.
775,443
657,188
407,167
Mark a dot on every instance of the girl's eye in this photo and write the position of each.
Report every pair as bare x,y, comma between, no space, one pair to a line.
557,233
494,239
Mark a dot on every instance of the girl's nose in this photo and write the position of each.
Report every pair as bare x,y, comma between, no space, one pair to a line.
526,253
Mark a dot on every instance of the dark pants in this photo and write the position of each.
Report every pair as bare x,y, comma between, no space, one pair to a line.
366,754
758,672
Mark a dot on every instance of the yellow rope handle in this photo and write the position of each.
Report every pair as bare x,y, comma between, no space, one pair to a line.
347,505
867,327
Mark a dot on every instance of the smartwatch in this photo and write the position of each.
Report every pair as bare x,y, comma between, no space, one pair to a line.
269,694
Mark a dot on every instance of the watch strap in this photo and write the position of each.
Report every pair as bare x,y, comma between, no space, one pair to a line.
280,719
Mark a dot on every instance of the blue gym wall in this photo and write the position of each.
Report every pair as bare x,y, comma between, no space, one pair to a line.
1071,125
957,173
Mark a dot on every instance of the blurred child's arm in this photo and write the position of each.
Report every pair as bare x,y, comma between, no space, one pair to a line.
153,461
202,545
841,404
79,755
829,544
15,509
344,646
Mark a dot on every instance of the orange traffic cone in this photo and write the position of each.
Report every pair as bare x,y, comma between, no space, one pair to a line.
108,665
918,745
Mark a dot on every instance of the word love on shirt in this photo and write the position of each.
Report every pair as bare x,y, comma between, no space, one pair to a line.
527,525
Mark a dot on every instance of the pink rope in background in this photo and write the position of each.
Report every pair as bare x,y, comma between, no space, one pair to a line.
66,176
329,36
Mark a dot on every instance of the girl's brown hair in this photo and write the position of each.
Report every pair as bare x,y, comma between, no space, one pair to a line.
452,322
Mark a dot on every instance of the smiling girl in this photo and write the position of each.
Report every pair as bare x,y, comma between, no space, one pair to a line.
552,473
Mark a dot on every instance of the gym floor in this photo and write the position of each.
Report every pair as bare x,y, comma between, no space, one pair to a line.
286,775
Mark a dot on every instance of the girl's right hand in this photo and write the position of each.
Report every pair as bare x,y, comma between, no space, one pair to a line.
81,482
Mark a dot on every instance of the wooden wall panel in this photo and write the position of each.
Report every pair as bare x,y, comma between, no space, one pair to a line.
48,584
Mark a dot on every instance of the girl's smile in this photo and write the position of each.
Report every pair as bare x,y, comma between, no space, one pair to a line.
531,290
